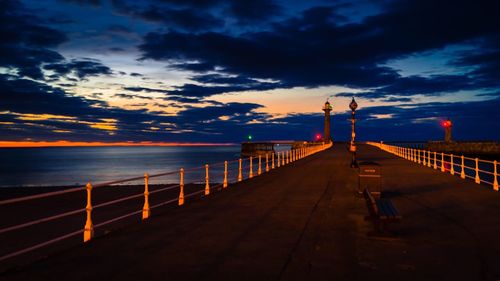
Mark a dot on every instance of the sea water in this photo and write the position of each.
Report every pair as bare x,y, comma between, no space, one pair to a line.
64,166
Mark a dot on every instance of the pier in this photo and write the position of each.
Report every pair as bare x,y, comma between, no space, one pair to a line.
304,221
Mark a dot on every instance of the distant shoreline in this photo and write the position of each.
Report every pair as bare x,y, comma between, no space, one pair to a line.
29,144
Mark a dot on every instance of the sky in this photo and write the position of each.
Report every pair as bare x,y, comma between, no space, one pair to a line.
216,71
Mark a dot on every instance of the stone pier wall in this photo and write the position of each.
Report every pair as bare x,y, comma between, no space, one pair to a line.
487,148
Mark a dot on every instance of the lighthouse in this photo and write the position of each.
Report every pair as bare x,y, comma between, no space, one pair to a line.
447,130
326,134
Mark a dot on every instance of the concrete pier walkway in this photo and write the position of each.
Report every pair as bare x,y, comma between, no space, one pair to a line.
302,222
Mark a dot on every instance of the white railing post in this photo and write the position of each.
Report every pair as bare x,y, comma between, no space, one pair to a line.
428,158
424,157
435,160
462,173
495,175
477,179
224,182
88,229
282,158
181,187
272,160
259,170
146,211
442,162
240,171
250,173
452,168
418,155
267,162
279,160
207,181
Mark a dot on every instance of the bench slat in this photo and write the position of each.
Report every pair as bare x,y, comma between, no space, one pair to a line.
381,209
387,210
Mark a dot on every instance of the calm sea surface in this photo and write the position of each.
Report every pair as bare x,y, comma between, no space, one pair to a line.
54,166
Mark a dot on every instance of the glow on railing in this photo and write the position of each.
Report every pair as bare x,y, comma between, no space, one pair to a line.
450,166
283,158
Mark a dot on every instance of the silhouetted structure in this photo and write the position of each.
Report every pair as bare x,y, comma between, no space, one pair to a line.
326,134
353,105
447,130
256,148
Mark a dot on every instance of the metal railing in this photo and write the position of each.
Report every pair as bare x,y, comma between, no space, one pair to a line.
205,179
481,171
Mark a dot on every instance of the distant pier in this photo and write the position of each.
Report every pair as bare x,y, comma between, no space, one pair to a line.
256,148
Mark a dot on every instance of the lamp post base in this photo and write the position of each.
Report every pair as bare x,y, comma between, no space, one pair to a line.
354,163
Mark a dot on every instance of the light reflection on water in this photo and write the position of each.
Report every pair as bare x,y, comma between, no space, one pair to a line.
77,165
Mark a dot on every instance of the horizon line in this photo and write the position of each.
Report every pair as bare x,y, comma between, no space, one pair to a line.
64,143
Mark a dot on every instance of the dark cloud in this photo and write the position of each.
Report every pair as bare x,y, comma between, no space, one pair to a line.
292,58
192,90
81,68
196,67
484,62
182,99
434,85
191,3
116,28
200,15
313,50
201,91
135,74
42,98
20,28
84,2
223,79
182,18
66,85
131,124
253,11
397,99
130,96
472,121
60,19
24,43
145,89
193,114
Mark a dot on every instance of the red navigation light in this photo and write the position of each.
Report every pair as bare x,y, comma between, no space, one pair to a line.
446,123
318,136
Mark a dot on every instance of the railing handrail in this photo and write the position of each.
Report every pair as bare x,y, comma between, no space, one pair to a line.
422,156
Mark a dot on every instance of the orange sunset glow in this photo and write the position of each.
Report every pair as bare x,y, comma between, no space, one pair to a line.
64,143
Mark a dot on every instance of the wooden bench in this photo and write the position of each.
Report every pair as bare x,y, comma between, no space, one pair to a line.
382,211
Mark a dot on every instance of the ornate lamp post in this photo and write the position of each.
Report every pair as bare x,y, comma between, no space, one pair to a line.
353,105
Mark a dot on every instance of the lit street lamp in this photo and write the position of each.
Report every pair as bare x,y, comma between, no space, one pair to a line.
352,148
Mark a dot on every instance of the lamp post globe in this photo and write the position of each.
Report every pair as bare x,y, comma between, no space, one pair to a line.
353,105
